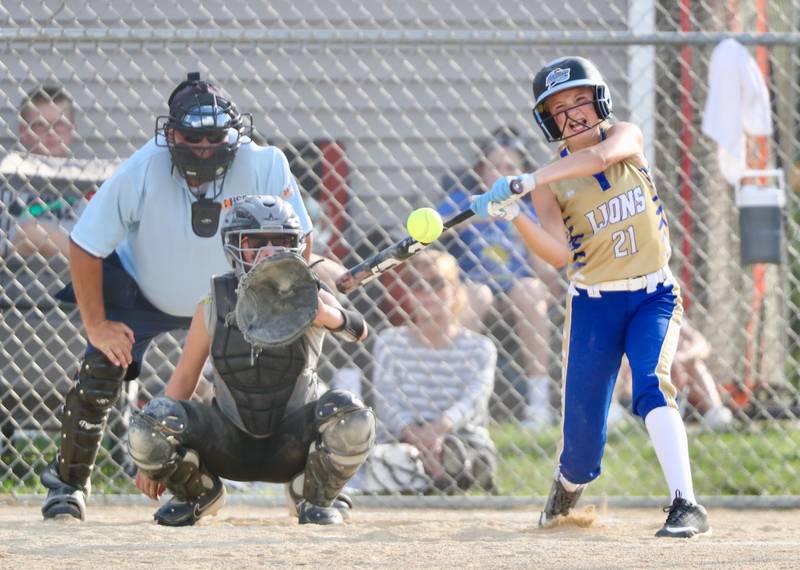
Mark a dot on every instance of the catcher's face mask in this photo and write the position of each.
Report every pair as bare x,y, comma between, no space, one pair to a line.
248,247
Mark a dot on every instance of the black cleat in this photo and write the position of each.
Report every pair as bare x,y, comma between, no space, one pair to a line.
186,512
314,514
559,503
684,520
343,503
63,500
455,457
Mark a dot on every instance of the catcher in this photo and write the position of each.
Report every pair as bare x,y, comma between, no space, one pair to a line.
263,326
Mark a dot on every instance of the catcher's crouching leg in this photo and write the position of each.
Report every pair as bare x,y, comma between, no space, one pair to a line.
154,442
346,429
83,420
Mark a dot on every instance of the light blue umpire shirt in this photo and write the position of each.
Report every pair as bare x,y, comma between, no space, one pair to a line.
144,213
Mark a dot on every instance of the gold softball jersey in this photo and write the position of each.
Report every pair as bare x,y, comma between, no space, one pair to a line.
616,223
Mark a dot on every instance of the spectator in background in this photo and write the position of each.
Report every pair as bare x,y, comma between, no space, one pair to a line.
322,226
691,377
500,274
44,191
47,121
433,378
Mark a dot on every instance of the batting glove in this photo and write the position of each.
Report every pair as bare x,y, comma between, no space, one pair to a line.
501,190
507,211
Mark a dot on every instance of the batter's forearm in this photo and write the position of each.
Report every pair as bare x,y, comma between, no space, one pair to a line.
624,140
582,163
541,243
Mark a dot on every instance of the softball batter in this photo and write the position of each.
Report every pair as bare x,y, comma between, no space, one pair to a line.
601,216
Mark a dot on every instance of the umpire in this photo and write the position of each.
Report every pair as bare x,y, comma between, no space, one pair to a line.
142,255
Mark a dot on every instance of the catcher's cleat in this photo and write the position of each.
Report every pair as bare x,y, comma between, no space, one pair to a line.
186,512
314,514
63,500
684,520
559,502
342,503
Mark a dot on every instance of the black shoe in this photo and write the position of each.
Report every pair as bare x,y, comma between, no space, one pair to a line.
684,520
314,514
559,503
343,503
63,500
455,457
186,512
457,463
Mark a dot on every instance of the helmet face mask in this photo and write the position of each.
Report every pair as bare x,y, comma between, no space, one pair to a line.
251,223
203,130
560,75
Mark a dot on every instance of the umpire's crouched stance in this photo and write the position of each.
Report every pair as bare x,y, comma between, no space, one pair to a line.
263,326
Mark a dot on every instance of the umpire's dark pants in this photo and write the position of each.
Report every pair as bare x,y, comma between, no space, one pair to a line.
125,303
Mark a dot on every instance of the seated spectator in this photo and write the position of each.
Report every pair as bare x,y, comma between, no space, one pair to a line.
41,211
43,189
432,382
499,271
47,122
690,376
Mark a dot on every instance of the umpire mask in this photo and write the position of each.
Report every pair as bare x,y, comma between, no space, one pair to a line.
203,131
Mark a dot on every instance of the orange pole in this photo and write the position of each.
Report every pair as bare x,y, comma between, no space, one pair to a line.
759,269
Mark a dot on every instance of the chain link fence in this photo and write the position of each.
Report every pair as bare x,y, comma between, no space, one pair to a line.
383,109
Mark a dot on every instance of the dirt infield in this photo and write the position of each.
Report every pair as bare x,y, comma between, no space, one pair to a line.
249,537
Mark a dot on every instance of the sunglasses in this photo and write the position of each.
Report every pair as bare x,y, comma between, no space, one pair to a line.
211,138
287,241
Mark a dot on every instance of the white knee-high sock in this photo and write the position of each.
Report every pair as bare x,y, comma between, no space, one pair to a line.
668,435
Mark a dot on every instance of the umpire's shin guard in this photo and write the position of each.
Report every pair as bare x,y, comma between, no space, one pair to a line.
84,418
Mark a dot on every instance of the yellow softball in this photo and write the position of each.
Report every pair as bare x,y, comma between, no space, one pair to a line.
425,225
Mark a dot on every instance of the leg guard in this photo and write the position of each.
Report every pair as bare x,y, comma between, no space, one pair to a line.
346,429
154,436
96,389
154,442
83,421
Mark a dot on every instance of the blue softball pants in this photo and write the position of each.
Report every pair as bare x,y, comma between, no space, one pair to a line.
599,329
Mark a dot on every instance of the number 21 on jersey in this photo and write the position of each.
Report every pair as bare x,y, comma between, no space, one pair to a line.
624,242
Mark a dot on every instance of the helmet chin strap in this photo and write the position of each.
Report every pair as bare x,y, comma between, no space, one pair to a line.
588,128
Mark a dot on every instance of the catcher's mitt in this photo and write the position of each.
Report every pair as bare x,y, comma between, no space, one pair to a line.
276,301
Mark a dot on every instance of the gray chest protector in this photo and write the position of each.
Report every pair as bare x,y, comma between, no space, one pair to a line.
260,384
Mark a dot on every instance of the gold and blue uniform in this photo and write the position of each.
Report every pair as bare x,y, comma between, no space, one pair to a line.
622,300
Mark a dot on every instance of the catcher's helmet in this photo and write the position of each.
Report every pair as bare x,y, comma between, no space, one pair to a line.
261,219
566,73
200,110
